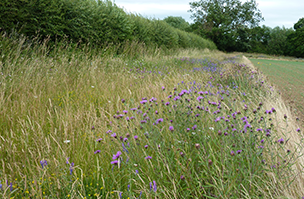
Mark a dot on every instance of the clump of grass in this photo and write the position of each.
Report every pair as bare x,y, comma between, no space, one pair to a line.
173,126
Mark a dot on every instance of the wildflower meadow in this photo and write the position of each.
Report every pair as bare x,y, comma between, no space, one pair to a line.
185,123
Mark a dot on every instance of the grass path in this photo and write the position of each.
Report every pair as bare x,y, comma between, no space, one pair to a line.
288,76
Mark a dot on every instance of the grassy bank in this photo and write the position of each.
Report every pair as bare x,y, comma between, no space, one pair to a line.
180,124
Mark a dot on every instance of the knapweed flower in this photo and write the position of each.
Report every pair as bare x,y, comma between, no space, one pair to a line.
171,128
232,153
197,146
210,162
123,100
182,177
143,101
146,146
262,141
114,135
99,140
98,151
136,137
154,186
281,140
298,130
163,88
109,131
117,155
115,162
43,163
125,111
238,151
148,157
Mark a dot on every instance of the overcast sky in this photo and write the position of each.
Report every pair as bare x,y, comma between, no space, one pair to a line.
275,12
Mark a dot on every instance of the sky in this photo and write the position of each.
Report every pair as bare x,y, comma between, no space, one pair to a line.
275,12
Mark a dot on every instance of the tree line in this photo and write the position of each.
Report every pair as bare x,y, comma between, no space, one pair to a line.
233,26
97,22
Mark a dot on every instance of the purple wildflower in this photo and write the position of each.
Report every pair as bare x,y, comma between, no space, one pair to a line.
148,157
115,162
71,168
143,101
281,140
114,135
238,151
154,186
146,146
298,130
98,151
43,163
99,140
232,153
171,128
136,137
117,155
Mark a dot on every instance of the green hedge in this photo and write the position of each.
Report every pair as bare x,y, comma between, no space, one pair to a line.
98,22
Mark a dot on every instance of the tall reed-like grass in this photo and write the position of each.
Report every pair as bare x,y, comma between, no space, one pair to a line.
79,123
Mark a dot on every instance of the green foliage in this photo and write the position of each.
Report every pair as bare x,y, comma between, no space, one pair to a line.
225,21
178,22
89,21
296,40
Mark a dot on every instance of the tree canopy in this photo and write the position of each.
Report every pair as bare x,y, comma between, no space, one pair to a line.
225,21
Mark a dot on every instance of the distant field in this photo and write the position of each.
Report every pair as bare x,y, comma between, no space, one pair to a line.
288,76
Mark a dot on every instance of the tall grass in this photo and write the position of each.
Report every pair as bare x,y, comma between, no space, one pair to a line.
82,123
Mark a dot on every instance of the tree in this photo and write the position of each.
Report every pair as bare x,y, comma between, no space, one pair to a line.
295,40
177,22
226,22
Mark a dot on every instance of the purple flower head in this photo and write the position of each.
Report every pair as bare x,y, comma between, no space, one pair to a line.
232,153
125,139
238,151
123,100
136,137
163,88
71,168
262,141
171,128
98,151
281,140
125,111
146,146
43,163
99,140
154,186
115,162
143,101
298,130
117,155
194,127
148,157
159,120
114,135
182,177
109,131
267,134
